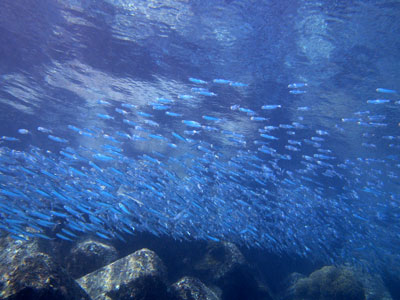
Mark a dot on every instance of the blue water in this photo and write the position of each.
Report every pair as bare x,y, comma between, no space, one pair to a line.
318,177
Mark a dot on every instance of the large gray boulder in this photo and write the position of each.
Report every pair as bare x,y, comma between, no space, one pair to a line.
190,288
219,260
27,273
224,265
329,283
140,276
88,256
374,286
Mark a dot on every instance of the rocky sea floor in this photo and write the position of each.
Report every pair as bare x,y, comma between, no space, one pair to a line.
148,267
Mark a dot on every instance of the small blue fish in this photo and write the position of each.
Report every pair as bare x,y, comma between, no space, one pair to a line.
185,97
171,145
58,214
9,193
85,133
259,119
77,172
209,118
322,132
203,91
121,111
42,193
317,139
69,233
386,91
23,131
270,137
123,134
237,141
350,120
102,157
140,128
18,237
297,92
57,139
378,101
172,114
198,81
271,106
95,166
103,102
74,128
178,137
9,138
151,123
63,237
164,100
129,122
67,155
191,123
151,159
48,174
204,149
110,138
27,171
297,85
160,107
207,93
103,236
214,239
128,105
222,81
286,126
44,130
247,110
361,113
143,114
374,124
238,84
303,108
105,117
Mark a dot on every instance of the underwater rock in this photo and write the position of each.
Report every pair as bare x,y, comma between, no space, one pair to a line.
140,275
374,286
27,273
220,259
288,286
329,283
190,288
224,265
88,256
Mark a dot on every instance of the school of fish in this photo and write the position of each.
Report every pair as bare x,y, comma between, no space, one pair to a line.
279,188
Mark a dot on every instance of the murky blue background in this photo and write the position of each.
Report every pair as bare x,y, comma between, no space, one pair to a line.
58,58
